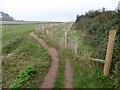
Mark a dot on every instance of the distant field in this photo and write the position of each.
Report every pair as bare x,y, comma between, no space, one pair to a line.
25,22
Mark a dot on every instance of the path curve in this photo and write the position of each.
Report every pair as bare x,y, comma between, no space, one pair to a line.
68,75
49,80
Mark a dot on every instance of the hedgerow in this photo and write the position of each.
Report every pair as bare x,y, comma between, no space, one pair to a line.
96,25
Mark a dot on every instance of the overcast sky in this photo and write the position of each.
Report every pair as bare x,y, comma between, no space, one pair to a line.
52,10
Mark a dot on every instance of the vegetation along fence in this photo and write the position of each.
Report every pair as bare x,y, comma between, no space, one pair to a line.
74,41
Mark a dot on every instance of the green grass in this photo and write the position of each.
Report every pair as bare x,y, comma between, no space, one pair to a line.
89,77
13,35
24,51
9,32
60,73
86,74
24,75
54,42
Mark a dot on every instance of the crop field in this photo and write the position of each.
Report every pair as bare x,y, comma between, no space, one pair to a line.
28,58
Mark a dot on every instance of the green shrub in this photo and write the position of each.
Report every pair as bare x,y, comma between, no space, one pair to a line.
23,76
30,70
17,84
97,25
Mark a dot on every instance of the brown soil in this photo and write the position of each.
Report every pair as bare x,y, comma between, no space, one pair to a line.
49,80
68,75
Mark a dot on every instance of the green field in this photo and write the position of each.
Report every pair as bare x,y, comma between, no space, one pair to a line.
22,55
25,62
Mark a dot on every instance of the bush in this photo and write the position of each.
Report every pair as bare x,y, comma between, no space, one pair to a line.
23,76
28,71
97,25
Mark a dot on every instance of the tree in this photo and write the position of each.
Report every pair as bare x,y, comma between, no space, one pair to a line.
6,17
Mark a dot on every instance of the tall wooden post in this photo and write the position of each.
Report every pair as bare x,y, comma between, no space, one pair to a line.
43,29
51,26
50,33
36,28
65,40
75,49
109,52
51,30
47,32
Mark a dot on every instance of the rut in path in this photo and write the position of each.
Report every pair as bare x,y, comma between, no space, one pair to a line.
49,80
68,75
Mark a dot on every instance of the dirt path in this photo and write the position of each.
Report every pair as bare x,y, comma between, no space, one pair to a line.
49,80
68,75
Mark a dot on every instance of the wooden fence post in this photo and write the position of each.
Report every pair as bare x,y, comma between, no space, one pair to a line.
47,32
36,27
51,34
65,40
75,49
51,26
43,29
51,31
109,52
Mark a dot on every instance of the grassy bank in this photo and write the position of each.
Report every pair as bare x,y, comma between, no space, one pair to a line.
25,63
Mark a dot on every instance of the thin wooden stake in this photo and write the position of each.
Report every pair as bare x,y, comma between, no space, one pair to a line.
97,60
109,52
51,26
36,28
43,29
51,31
75,49
65,39
51,34
47,32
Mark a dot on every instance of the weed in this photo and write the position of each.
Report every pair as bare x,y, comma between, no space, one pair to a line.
28,71
23,76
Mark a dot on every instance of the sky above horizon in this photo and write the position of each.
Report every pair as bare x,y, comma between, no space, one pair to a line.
52,10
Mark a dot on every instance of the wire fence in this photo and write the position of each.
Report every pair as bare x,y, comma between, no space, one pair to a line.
79,43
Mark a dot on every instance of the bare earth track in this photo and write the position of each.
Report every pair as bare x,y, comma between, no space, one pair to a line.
68,75
49,80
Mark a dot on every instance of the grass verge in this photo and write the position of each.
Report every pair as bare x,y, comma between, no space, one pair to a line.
21,54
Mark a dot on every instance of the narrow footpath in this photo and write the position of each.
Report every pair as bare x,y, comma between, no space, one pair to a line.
49,80
68,75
